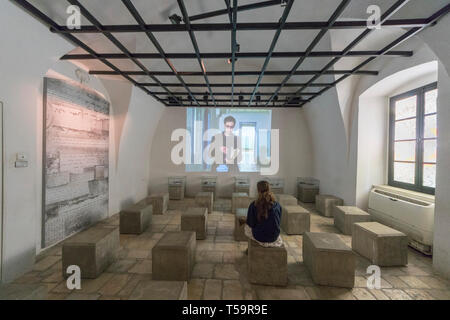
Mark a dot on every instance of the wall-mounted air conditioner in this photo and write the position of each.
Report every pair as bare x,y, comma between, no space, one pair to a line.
407,212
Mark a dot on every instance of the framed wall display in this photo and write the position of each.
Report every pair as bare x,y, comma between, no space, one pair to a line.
75,159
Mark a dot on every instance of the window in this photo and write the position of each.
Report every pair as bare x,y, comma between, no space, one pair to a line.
413,139
249,147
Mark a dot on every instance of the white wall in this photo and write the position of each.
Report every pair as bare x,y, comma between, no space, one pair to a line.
441,256
28,54
373,118
337,161
373,125
295,153
23,65
132,176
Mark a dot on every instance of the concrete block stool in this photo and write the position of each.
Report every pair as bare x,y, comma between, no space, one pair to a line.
239,200
205,199
295,219
346,216
242,188
286,200
160,202
160,290
329,260
325,204
195,219
267,266
173,256
307,193
93,250
135,219
239,233
382,245
176,192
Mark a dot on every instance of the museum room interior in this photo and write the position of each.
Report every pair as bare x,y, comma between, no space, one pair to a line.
225,150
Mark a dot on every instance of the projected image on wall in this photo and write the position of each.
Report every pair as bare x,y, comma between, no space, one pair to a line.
228,140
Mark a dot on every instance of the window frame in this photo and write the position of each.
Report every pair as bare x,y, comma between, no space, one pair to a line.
420,125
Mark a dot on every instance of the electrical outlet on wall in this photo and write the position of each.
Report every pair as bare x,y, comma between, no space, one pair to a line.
21,160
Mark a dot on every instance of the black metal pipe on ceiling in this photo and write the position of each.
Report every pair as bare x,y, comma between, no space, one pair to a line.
391,11
282,21
410,33
72,39
226,85
237,73
195,45
116,42
131,8
240,55
252,6
243,26
342,6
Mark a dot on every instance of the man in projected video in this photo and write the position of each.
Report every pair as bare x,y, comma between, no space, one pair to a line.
230,144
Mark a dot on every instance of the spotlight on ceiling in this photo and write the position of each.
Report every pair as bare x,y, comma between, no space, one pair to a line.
173,100
175,19
241,98
205,97
258,98
238,49
274,100
295,101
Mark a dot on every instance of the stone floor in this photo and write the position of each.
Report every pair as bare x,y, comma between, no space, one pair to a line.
220,271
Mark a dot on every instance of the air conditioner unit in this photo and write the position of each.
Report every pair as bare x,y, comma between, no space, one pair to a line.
406,212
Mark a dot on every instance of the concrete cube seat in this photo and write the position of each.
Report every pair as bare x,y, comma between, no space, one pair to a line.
93,250
239,200
176,192
173,256
267,266
306,193
286,200
160,290
210,188
325,204
277,190
244,188
346,216
329,260
136,219
195,219
239,233
160,202
295,219
382,245
205,199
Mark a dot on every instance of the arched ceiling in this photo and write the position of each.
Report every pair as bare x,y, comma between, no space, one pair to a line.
114,12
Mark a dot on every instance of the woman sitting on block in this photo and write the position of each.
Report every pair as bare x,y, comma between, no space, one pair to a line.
264,218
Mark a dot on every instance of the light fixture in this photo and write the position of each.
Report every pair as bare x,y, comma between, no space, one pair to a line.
258,98
238,49
173,100
283,3
175,19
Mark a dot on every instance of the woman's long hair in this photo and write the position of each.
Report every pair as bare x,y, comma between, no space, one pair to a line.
265,200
